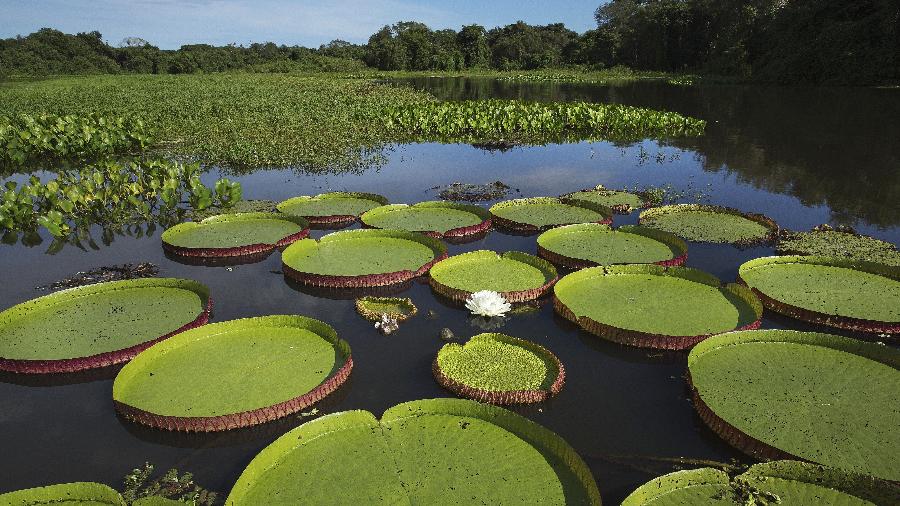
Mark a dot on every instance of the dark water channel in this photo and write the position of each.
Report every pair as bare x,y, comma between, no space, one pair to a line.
801,156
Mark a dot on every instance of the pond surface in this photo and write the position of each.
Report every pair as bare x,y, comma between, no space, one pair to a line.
801,156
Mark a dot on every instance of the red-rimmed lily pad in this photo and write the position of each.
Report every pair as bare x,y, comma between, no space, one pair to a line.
84,493
435,219
835,292
437,451
233,374
517,276
535,214
826,399
230,235
331,209
499,369
703,223
654,306
591,244
620,201
98,325
375,308
361,258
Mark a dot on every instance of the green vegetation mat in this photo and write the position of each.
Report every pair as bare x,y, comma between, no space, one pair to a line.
602,245
439,451
361,252
608,198
542,212
331,204
399,308
838,244
94,319
498,363
231,367
706,223
827,285
486,270
435,216
233,230
65,494
674,301
828,399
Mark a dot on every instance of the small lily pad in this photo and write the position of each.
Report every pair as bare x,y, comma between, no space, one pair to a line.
620,201
535,214
654,306
515,275
98,325
398,308
702,223
592,244
332,208
839,244
80,493
436,219
233,374
854,295
238,234
827,399
361,258
436,451
499,369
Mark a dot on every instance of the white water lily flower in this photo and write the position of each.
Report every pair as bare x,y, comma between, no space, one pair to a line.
387,324
487,303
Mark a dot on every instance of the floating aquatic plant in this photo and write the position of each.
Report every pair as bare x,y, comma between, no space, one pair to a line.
172,488
532,215
620,201
839,243
704,223
237,234
515,275
435,219
470,192
332,209
375,308
591,244
487,303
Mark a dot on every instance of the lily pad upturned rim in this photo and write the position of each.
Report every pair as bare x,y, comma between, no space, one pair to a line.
671,240
497,396
510,225
761,219
559,453
734,436
647,339
361,307
336,219
646,203
550,276
237,250
458,232
242,419
369,280
81,491
53,366
816,317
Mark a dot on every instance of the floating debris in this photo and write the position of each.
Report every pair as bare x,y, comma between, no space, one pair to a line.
447,334
104,274
468,192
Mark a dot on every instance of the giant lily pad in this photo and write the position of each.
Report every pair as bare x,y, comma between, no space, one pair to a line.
654,306
702,223
332,209
515,275
827,399
233,374
238,234
499,369
398,308
839,244
839,293
98,325
620,201
83,493
436,219
535,214
780,482
592,244
361,258
437,451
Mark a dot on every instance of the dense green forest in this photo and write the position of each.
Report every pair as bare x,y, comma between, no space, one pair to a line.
789,41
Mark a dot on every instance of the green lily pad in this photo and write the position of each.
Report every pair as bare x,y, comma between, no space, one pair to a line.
438,451
827,399
97,325
399,308
331,207
654,306
858,295
701,223
591,244
540,213
499,369
517,276
433,218
780,482
72,494
232,233
838,244
620,201
233,374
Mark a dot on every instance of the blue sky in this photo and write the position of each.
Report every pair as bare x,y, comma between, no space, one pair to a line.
171,23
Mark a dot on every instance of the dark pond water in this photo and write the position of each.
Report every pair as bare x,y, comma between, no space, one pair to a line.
801,156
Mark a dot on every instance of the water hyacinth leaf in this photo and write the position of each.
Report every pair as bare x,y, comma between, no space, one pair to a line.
514,275
234,234
79,493
98,325
592,244
540,213
253,370
499,369
654,306
421,452
360,258
839,244
399,308
703,223
826,399
437,219
331,208
835,292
